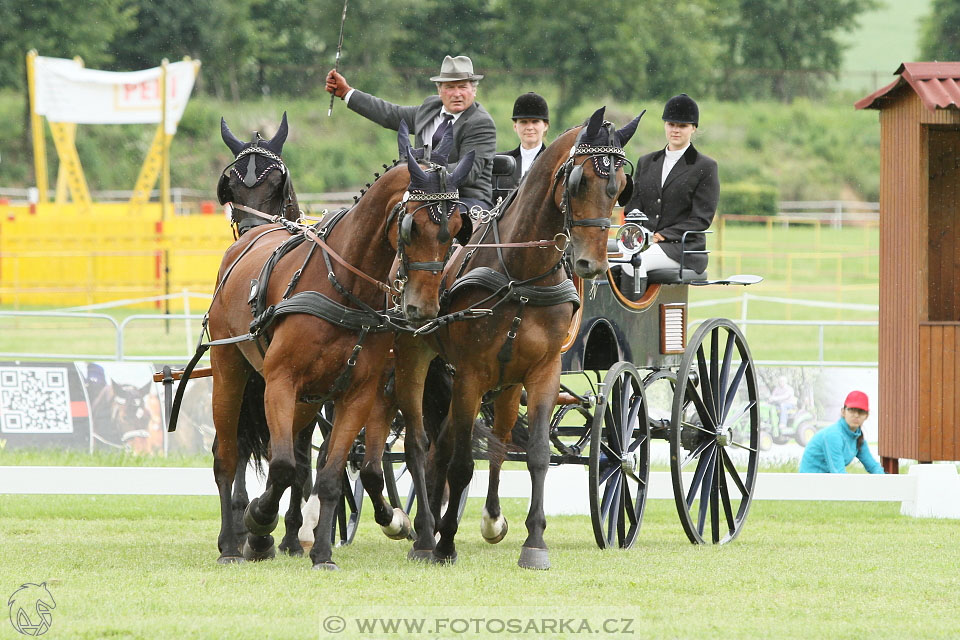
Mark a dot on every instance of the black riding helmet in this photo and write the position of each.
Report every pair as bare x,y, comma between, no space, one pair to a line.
682,109
531,106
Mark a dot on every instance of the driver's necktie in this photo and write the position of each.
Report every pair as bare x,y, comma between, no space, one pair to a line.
441,129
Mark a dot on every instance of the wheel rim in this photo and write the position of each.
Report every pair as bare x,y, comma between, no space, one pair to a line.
619,459
712,465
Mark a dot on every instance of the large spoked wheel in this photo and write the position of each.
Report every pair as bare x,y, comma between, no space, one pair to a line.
713,458
347,515
619,458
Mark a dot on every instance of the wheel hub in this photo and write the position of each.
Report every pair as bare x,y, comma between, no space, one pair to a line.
630,463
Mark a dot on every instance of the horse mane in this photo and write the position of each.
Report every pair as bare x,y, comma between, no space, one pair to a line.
376,176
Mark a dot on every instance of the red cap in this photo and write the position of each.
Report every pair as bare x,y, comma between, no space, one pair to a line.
857,400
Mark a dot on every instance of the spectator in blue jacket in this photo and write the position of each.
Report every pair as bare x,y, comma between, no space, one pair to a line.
833,448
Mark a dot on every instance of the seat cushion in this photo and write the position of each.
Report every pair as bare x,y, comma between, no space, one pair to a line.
674,276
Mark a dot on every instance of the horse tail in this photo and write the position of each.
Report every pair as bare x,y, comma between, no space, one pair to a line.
253,436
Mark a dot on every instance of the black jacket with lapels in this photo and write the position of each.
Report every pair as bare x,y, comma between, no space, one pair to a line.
687,201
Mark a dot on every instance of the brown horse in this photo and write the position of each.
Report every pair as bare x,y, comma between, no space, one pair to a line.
568,195
307,310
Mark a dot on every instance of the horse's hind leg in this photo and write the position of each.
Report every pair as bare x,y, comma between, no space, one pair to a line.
542,387
493,524
294,516
230,372
284,418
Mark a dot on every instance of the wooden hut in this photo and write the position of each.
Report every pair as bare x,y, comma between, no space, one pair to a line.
919,355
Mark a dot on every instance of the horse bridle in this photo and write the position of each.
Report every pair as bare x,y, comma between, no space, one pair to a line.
607,160
439,213
251,179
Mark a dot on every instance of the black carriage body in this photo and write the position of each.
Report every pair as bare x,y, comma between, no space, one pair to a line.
614,328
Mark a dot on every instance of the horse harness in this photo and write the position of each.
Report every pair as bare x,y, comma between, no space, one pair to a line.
251,178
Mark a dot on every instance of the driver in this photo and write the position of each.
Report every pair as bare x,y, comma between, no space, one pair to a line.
454,105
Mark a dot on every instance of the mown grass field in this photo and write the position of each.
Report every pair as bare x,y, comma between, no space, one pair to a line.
134,567
802,262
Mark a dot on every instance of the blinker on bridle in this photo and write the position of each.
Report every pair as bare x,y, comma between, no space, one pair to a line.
606,161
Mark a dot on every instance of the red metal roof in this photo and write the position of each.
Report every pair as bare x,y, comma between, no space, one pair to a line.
936,83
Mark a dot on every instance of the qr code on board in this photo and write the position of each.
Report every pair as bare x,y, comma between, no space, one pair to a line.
34,400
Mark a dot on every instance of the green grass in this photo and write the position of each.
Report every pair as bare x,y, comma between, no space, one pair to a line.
130,567
78,458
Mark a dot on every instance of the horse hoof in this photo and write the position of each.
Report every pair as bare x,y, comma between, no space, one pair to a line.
493,530
531,558
255,555
443,560
420,555
229,560
295,551
326,566
400,527
256,528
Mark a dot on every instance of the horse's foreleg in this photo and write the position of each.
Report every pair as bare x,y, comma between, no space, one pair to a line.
542,388
393,521
350,414
463,411
411,372
493,524
240,499
293,519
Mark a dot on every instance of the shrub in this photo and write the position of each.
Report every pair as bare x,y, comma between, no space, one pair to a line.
747,198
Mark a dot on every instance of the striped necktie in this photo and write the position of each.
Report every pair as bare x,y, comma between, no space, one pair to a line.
441,129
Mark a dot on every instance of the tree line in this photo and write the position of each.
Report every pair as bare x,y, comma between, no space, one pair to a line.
727,49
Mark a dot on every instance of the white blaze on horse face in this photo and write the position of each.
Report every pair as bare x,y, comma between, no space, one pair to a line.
457,96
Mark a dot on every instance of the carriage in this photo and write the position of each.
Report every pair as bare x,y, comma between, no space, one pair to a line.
698,395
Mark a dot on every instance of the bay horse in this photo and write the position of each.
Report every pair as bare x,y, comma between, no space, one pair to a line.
307,309
568,195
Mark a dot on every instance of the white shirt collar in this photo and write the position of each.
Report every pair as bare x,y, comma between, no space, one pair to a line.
675,155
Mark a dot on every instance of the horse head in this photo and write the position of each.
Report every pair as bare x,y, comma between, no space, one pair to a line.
257,177
426,223
593,180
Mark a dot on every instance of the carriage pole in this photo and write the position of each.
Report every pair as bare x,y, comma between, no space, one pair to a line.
336,64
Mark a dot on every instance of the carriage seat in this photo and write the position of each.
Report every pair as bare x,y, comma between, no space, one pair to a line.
503,168
674,276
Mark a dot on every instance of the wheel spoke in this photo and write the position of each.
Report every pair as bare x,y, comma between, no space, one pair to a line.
629,503
725,496
612,467
714,506
705,489
695,483
742,446
724,375
741,413
693,425
626,429
611,432
735,385
696,452
707,408
714,375
734,475
611,454
699,404
608,496
614,521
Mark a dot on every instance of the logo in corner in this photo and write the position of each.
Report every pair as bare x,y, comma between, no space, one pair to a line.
30,607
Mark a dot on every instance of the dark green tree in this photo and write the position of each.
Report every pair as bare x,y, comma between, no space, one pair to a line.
53,29
940,36
786,48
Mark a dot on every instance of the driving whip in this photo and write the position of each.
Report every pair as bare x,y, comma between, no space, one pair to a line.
336,65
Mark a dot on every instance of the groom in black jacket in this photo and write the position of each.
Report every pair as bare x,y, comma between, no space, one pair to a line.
454,105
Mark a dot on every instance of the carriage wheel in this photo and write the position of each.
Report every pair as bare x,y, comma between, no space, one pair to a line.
713,459
619,458
347,515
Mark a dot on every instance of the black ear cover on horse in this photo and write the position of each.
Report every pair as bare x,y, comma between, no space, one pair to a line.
233,143
224,195
624,134
594,124
417,175
275,143
462,169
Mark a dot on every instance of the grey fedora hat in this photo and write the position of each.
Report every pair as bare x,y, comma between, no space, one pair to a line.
453,69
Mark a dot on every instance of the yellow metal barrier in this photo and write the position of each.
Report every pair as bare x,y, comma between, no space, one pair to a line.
54,257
